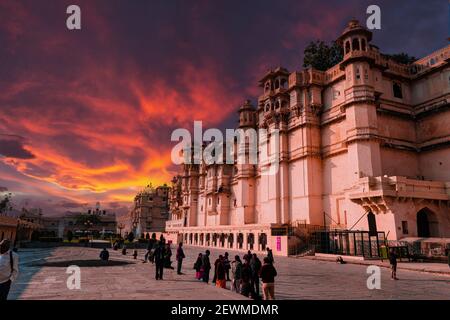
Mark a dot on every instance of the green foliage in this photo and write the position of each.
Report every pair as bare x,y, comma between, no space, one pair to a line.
322,56
402,58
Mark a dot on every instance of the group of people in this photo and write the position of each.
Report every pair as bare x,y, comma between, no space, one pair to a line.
245,275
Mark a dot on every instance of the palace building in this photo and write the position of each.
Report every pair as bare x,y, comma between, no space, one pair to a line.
363,147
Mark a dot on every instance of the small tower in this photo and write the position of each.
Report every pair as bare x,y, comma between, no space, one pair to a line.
354,38
247,115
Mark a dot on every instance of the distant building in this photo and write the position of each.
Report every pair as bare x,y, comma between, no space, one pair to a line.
150,211
8,228
101,222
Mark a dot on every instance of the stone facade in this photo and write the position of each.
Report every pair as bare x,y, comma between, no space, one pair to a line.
150,211
366,142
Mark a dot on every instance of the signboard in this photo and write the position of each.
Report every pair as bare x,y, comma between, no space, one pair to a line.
278,243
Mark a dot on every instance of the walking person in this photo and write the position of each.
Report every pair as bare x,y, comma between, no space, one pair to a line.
227,265
270,255
198,267
268,274
246,275
221,281
236,270
180,256
167,257
9,268
393,263
149,250
206,266
255,265
159,256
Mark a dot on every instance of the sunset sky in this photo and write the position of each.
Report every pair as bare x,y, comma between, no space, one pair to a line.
86,116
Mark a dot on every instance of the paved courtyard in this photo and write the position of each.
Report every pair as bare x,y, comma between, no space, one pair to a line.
132,279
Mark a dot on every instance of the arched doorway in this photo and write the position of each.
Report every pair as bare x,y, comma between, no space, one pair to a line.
240,240
250,240
372,224
263,241
222,240
427,224
230,240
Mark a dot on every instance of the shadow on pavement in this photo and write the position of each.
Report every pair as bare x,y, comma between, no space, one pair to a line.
82,263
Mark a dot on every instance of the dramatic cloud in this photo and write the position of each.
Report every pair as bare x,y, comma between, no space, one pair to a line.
13,147
86,116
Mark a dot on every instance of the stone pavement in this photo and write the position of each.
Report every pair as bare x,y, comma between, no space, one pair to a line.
436,268
133,281
303,278
298,279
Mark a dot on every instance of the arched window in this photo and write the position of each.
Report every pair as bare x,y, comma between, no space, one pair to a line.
347,47
397,89
277,105
277,84
355,44
363,44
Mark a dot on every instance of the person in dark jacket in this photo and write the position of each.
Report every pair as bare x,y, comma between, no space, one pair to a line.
180,256
159,256
236,272
270,255
246,276
255,265
393,263
149,250
206,266
221,281
198,267
104,255
168,257
268,274
227,265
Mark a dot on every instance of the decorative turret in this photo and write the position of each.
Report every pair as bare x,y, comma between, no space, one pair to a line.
247,115
354,38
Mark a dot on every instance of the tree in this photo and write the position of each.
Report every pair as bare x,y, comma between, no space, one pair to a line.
322,56
69,236
6,204
130,236
402,58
